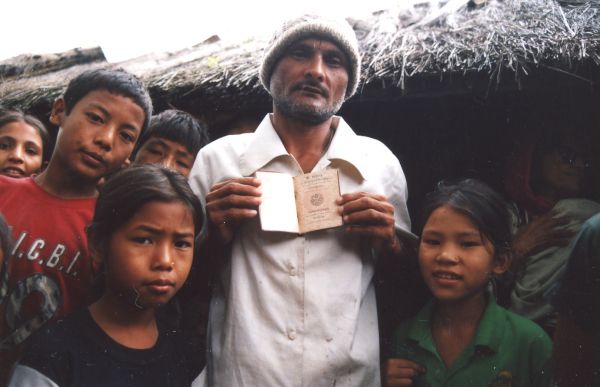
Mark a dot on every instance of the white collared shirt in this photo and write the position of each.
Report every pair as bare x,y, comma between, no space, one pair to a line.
297,310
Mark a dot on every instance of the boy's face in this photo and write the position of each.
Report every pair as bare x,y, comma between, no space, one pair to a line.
98,135
173,155
21,150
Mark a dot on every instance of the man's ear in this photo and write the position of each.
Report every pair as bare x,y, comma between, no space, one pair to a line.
58,111
502,263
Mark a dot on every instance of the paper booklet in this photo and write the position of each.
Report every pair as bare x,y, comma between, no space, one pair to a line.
299,204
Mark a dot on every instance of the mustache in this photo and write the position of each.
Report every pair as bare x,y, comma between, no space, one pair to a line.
313,84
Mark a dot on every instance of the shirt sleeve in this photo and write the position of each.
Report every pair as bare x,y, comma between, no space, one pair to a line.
24,376
579,294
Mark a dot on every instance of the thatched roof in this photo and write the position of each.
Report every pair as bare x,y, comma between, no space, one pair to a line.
500,38
512,35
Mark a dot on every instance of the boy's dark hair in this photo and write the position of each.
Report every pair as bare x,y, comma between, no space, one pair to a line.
117,81
129,189
177,126
484,206
10,116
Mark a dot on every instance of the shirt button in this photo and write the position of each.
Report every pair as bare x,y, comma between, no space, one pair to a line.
293,271
292,334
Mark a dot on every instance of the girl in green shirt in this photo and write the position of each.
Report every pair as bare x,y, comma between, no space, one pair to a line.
462,338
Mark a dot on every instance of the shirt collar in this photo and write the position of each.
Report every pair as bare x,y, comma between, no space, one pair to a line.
488,336
266,146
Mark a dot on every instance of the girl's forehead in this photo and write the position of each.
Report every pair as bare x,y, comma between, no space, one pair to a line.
20,130
448,218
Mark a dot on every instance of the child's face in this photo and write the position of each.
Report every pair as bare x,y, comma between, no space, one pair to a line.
158,150
21,150
456,260
98,135
149,257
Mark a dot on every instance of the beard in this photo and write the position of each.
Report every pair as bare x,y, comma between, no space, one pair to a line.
306,113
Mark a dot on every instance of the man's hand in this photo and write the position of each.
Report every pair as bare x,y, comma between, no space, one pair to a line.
540,234
229,203
371,216
400,372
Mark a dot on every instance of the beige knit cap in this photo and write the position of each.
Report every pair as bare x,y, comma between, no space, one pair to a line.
336,30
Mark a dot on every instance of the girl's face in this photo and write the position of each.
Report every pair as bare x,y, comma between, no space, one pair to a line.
20,150
456,260
149,257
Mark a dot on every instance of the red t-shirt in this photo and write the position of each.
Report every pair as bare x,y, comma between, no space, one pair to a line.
49,270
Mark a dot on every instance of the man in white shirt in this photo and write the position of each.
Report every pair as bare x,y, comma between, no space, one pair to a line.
289,309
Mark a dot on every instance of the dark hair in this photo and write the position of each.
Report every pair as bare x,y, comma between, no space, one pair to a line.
6,246
117,81
129,189
178,126
10,116
484,206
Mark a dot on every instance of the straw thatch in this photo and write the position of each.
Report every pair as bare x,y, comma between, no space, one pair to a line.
512,37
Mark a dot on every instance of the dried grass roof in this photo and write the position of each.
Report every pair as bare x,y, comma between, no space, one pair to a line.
511,36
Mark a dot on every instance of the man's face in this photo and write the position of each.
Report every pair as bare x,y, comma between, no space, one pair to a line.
309,82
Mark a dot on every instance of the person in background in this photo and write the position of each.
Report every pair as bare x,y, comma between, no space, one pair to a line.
173,139
462,337
547,182
23,141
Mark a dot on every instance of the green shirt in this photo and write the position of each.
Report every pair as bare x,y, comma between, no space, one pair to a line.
508,351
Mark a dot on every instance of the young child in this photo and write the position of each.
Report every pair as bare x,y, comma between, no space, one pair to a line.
100,116
23,139
143,236
173,139
462,338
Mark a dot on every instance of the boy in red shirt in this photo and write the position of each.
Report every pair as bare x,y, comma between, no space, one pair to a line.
100,117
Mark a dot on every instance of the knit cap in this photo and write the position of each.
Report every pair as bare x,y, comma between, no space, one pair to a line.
306,26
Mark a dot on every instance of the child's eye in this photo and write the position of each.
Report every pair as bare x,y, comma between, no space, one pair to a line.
95,118
431,242
154,151
183,244
467,244
142,240
127,137
182,164
4,145
32,151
